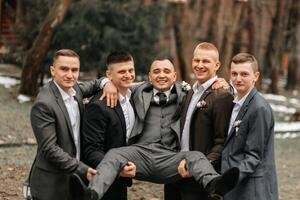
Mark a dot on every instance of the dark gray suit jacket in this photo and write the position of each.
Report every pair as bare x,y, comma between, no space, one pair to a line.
250,147
56,153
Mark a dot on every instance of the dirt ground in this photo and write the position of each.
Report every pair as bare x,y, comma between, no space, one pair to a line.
15,163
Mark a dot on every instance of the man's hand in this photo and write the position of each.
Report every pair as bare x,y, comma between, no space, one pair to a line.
90,173
129,170
182,170
220,83
111,93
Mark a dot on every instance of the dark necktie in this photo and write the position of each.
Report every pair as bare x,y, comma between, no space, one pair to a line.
162,98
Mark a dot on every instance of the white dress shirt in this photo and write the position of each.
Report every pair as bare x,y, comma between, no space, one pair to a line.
198,92
128,112
74,115
236,109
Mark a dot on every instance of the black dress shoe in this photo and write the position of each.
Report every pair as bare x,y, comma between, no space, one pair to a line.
78,187
219,186
91,194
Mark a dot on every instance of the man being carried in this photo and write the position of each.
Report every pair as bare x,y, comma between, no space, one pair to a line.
155,140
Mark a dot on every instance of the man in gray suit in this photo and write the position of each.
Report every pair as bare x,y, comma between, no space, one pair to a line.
56,120
250,142
155,140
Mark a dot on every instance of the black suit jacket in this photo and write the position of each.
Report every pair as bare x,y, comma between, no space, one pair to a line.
209,123
208,131
104,128
56,153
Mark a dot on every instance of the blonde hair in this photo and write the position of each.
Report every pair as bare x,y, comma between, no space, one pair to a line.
207,46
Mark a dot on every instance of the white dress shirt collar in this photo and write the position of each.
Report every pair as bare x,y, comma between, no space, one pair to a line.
198,88
65,95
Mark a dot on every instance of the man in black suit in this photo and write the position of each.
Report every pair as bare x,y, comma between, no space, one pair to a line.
55,120
105,128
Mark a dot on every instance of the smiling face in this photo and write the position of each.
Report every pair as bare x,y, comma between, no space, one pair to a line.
65,71
122,75
162,75
205,64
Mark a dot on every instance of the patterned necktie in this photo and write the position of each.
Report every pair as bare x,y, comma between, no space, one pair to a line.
162,98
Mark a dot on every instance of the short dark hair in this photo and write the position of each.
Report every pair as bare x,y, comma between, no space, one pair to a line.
65,52
246,58
117,57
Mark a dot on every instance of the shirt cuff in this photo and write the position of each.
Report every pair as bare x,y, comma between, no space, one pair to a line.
103,82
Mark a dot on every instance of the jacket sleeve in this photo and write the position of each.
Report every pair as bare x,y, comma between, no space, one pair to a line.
90,88
94,126
221,117
258,130
44,128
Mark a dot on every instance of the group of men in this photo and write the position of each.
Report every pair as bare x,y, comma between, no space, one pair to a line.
160,131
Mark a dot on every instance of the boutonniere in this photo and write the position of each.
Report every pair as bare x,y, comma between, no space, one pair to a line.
185,86
201,104
236,125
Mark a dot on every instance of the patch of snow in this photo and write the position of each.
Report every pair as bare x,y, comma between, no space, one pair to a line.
287,127
294,101
8,81
275,97
283,109
287,135
23,98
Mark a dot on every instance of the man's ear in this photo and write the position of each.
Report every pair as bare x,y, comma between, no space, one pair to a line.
108,74
256,74
218,65
149,78
52,70
175,76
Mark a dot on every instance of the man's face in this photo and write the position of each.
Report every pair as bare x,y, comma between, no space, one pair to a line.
205,64
243,78
162,75
65,71
121,74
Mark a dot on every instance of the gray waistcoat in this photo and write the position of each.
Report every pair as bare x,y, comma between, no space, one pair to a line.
157,124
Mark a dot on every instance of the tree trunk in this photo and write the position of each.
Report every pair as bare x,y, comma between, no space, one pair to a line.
276,42
229,41
293,42
33,61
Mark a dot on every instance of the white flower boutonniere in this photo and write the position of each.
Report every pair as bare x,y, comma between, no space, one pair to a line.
201,104
185,86
236,125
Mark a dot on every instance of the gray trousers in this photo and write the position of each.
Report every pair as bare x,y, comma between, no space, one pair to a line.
154,163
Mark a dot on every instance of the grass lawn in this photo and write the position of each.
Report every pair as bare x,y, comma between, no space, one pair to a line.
15,160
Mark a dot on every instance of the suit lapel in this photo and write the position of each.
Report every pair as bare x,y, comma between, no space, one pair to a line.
62,106
205,94
120,114
142,99
185,108
78,99
242,112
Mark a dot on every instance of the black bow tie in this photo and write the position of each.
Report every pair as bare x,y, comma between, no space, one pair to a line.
162,98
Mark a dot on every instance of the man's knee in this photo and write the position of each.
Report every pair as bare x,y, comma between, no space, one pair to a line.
194,156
